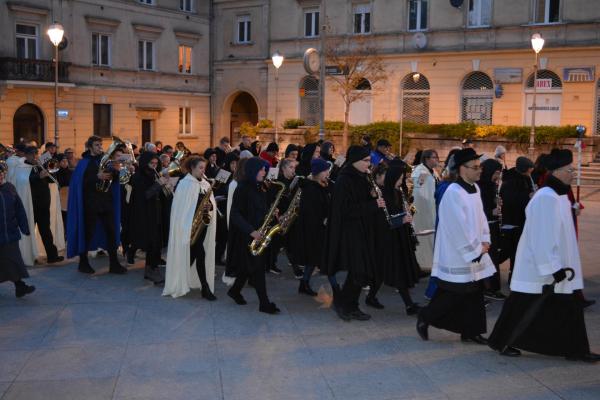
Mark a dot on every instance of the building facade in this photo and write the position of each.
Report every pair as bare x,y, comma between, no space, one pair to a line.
136,69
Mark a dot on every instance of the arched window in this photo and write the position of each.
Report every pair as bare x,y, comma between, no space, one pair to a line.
363,84
415,98
360,109
477,99
28,124
548,99
545,74
309,100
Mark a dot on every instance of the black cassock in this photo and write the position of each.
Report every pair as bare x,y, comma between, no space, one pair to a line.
310,230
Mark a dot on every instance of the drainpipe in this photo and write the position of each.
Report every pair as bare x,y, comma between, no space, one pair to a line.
211,72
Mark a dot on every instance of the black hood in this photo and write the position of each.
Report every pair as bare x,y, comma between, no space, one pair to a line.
251,168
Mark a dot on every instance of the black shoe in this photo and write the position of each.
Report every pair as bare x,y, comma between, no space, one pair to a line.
413,309
589,358
162,263
474,339
23,289
510,352
586,303
116,268
422,328
339,310
270,308
275,270
85,267
54,260
208,295
359,315
237,297
130,258
374,302
305,288
494,295
298,273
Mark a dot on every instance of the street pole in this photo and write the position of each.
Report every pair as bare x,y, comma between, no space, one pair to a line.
532,132
322,34
276,105
401,119
56,96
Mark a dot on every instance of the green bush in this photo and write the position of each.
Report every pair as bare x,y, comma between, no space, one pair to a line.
293,123
247,128
334,125
264,123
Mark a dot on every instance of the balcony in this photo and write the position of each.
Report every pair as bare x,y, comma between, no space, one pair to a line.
15,69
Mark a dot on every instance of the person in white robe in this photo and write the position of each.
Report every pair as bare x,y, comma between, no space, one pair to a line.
27,243
547,255
191,266
461,260
425,179
14,161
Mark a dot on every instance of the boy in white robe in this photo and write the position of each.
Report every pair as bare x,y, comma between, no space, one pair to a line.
461,260
547,250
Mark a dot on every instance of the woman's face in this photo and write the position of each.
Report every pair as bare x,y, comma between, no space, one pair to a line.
322,176
198,170
496,176
153,164
317,152
293,155
233,166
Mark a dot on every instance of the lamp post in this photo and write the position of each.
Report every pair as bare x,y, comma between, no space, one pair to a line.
56,32
277,59
322,60
537,43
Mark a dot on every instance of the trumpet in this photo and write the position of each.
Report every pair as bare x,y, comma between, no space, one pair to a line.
52,168
167,191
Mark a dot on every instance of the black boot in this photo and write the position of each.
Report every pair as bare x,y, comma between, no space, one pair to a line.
305,288
422,327
84,265
413,309
130,257
21,289
116,267
207,294
269,308
153,274
237,297
372,301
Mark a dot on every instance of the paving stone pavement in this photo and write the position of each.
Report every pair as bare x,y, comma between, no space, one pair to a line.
115,337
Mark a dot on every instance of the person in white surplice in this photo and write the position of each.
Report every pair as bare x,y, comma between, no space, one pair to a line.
461,261
425,179
191,266
547,255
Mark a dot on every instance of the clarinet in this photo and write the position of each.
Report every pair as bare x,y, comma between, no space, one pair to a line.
388,217
498,205
411,228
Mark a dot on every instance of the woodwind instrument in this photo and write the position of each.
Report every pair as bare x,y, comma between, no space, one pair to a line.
377,190
258,246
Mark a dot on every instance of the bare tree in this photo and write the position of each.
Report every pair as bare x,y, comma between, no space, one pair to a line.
358,62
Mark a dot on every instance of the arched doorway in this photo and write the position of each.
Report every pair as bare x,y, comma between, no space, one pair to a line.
415,98
28,124
243,109
477,99
548,100
309,100
360,110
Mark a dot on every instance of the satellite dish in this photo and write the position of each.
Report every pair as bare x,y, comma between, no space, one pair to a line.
456,3
419,40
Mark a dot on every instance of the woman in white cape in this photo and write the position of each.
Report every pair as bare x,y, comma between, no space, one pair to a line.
182,273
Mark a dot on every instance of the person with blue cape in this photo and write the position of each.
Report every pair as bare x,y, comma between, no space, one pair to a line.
93,215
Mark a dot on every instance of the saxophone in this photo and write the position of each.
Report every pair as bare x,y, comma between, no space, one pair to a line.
202,216
257,247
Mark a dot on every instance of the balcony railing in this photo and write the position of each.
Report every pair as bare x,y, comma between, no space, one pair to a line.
22,69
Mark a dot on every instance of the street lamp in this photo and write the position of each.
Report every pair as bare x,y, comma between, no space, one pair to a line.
537,43
277,59
56,32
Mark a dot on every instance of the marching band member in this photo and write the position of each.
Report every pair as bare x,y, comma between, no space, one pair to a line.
248,211
270,154
309,152
191,265
291,151
460,260
547,251
14,161
94,216
380,154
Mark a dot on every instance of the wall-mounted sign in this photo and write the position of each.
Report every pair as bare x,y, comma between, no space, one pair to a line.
508,75
579,74
61,113
543,84
335,70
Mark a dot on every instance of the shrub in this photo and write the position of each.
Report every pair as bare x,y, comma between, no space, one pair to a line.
264,123
293,123
247,128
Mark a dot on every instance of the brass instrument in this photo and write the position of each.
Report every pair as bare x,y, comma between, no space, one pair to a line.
6,151
167,191
52,168
258,246
174,168
124,172
105,164
202,216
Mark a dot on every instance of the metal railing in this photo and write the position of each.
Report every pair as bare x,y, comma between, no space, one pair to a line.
23,69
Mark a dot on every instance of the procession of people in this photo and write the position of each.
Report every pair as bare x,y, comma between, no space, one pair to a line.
363,219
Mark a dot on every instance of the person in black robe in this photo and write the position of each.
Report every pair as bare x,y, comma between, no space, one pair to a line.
248,211
291,151
230,163
491,171
326,153
145,222
311,223
350,236
212,168
396,261
13,223
222,150
310,151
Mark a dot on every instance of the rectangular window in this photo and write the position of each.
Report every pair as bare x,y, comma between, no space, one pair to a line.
100,49
362,18
244,29
547,11
185,120
146,55
480,13
26,41
186,5
102,120
149,2
185,59
311,23
417,15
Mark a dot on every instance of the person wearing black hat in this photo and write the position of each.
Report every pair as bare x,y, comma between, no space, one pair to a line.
212,169
516,191
381,152
547,255
51,149
350,236
467,144
460,260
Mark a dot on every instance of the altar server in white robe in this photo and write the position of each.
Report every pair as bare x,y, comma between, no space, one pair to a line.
28,243
191,266
547,249
425,179
461,260
14,161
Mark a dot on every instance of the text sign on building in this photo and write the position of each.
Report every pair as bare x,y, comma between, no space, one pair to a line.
61,113
579,74
508,75
543,84
335,70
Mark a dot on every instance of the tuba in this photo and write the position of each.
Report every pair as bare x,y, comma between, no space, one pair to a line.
258,246
105,164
